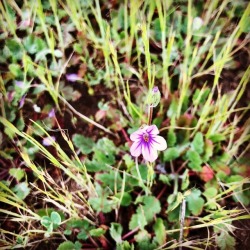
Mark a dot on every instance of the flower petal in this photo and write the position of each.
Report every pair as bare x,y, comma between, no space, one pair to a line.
136,148
137,134
159,143
148,152
152,130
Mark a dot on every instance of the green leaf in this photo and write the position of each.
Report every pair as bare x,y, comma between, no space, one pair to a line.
174,201
83,235
210,193
128,161
160,231
185,180
137,220
102,204
22,190
171,154
67,245
217,138
142,236
94,166
198,143
85,144
124,246
172,111
126,199
106,145
225,241
103,157
194,160
17,173
46,221
195,202
235,178
171,138
143,172
116,232
111,180
16,70
209,147
165,179
15,49
151,207
34,44
97,232
55,218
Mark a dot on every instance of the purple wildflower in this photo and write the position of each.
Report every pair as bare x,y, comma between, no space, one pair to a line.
147,142
73,77
155,89
48,141
51,114
20,84
21,103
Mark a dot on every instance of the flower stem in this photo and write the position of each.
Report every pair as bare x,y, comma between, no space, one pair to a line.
139,176
150,114
150,175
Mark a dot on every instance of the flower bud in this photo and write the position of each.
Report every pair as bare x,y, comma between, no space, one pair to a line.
154,97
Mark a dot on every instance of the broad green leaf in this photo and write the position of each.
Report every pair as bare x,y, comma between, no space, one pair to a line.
46,221
174,201
17,173
116,232
128,161
137,220
55,218
126,199
83,235
102,204
195,202
67,245
165,179
143,172
194,160
210,193
111,180
160,231
22,190
217,138
150,208
16,70
125,246
15,49
97,232
171,138
185,180
198,143
225,241
142,236
34,44
208,152
172,111
171,154
104,158
85,144
94,166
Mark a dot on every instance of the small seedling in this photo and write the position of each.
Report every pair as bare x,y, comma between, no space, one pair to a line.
51,222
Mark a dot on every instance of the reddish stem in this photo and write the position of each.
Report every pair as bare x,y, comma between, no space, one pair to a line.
162,192
130,233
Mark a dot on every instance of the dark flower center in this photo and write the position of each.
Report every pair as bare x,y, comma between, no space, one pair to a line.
146,137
